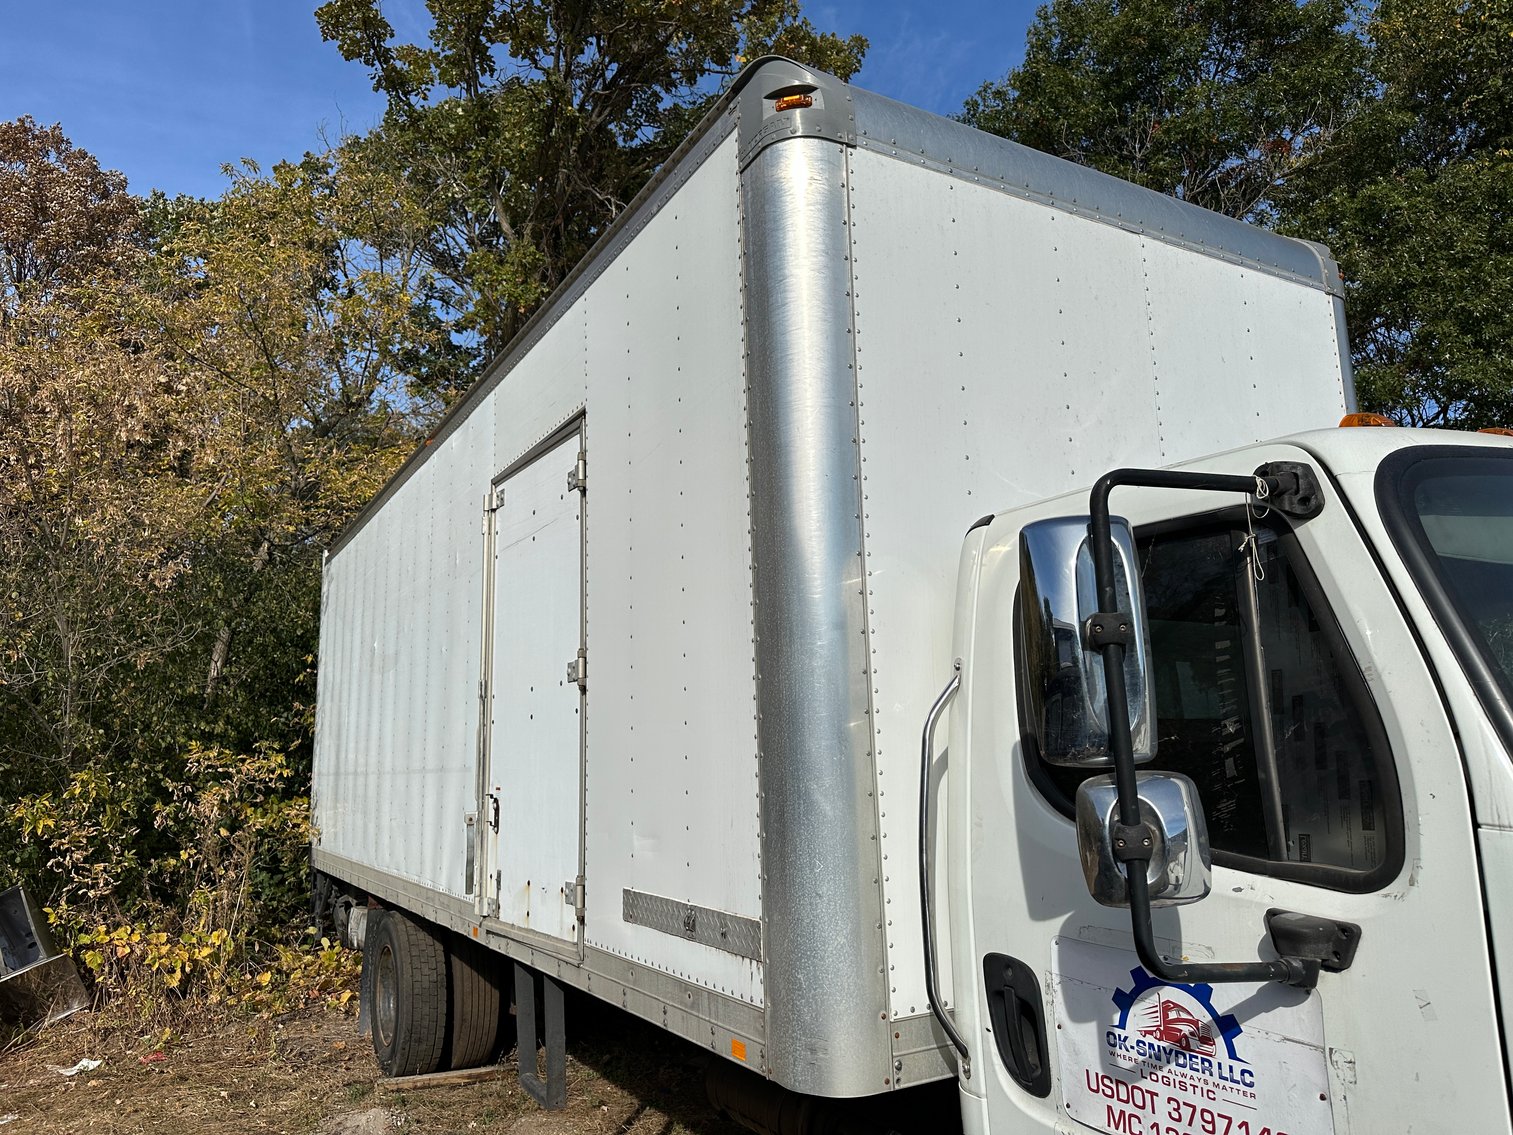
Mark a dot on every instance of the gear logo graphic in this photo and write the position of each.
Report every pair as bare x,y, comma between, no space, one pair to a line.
1169,1021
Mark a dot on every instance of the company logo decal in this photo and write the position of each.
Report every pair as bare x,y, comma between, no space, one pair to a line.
1141,1056
1171,1034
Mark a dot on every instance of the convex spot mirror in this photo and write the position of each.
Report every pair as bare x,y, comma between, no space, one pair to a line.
1064,688
1179,870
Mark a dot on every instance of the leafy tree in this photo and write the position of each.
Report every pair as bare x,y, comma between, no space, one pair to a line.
63,219
1214,102
523,127
79,412
294,333
98,521
1415,198
195,396
92,534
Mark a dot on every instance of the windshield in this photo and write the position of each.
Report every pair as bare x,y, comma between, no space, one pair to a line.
1454,521
1468,521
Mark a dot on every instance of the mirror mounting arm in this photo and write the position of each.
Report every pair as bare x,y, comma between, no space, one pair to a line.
1301,972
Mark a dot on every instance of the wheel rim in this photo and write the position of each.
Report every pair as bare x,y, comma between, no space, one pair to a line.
384,982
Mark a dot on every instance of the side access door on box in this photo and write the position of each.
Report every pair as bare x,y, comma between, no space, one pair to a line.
534,694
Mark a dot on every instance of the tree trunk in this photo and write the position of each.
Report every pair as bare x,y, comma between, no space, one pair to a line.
222,649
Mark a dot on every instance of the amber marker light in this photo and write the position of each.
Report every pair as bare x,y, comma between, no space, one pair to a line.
794,102
1501,431
1366,420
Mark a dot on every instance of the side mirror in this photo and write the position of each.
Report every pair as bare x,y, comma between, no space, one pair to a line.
1068,700
1178,871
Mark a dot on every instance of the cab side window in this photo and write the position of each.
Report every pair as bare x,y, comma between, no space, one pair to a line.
1259,701
1205,727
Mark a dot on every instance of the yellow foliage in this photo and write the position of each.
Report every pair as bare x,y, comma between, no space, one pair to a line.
146,965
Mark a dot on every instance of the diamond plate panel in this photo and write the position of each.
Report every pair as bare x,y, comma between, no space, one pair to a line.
716,928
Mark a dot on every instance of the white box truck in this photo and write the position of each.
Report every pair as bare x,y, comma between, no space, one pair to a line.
631,679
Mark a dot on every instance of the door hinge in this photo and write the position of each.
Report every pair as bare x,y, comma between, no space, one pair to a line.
572,895
577,477
577,669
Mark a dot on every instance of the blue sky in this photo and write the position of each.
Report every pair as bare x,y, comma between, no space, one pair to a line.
168,91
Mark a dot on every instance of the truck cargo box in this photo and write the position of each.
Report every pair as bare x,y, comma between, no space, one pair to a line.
623,674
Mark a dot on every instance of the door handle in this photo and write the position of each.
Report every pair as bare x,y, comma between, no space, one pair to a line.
493,812
1015,1009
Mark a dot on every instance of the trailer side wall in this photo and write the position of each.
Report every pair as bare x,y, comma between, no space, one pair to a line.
649,355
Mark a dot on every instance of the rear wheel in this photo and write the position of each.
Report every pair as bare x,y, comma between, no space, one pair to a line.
477,985
409,994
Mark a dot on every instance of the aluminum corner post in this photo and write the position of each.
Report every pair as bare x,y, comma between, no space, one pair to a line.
1347,365
827,994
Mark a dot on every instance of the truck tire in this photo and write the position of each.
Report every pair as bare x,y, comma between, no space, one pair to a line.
409,994
476,982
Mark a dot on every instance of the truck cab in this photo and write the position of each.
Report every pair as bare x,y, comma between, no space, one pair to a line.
1336,690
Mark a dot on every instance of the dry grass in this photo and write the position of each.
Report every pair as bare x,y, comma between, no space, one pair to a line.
309,1073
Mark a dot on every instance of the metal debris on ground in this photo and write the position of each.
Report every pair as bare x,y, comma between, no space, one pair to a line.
37,983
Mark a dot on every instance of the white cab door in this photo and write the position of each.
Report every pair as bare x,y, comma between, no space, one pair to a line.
1292,691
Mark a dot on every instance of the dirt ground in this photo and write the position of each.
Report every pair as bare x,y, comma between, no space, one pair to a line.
309,1073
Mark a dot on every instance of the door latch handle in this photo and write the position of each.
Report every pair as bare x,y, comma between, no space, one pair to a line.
1015,1009
494,812
577,670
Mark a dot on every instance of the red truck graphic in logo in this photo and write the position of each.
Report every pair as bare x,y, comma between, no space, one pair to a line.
1169,1022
